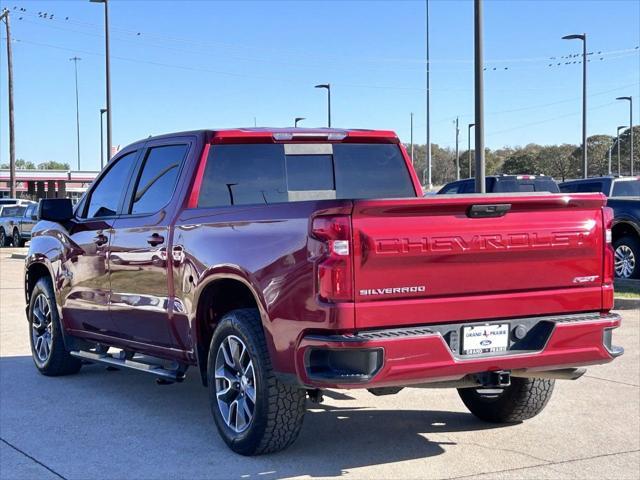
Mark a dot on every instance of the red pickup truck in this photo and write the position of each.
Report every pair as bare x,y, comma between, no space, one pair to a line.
281,262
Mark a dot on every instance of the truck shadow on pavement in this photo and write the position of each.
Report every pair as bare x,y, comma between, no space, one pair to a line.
121,422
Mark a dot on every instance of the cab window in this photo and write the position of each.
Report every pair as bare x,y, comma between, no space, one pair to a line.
106,195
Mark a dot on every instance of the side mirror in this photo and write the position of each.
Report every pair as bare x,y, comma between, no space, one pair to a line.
55,209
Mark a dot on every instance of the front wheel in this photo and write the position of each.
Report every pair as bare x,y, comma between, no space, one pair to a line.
45,333
4,240
255,413
523,399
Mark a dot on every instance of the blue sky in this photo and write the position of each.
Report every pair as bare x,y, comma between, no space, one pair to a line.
204,64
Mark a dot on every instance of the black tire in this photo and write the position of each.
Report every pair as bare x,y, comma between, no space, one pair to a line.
58,361
631,247
4,241
523,399
17,240
278,410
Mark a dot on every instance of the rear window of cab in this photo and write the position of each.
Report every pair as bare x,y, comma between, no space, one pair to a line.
275,173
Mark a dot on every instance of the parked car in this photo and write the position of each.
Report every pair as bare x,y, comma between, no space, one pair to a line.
611,186
624,199
7,220
15,201
19,222
504,184
280,263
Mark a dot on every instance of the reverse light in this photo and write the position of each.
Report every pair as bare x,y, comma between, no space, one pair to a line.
334,269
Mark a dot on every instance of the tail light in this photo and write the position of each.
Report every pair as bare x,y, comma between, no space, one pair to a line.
335,281
607,217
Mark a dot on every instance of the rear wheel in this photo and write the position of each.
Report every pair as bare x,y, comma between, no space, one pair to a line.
255,413
523,399
45,333
17,240
627,257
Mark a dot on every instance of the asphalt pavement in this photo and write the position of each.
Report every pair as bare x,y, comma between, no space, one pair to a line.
120,424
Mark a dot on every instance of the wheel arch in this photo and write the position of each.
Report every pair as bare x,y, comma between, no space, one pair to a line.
220,292
622,228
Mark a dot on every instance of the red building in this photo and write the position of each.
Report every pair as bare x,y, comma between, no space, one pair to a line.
37,184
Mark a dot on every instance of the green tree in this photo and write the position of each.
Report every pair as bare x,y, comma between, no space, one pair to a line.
558,161
21,164
521,162
625,163
597,154
53,165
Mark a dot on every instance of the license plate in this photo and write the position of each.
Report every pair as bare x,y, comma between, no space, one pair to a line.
485,339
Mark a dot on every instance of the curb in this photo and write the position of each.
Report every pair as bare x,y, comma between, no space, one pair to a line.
18,256
626,303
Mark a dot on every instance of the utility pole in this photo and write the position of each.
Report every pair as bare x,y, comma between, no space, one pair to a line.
411,138
75,63
102,112
428,143
457,151
630,99
609,165
107,72
471,125
479,99
618,146
583,37
12,137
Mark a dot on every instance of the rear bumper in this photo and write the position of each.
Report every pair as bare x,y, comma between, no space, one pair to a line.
406,356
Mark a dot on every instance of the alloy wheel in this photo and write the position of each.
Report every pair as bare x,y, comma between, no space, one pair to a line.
41,328
3,238
235,383
625,261
16,239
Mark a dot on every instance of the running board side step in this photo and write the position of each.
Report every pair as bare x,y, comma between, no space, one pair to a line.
159,371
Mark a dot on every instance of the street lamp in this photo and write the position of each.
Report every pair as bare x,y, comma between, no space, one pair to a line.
328,87
481,186
102,111
630,99
583,37
298,119
471,125
457,151
75,63
107,71
618,144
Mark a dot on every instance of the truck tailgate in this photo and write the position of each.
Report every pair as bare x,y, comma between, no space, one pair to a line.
430,261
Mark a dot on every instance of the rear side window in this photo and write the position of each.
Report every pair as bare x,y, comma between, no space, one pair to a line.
105,197
262,174
586,187
243,175
158,178
626,188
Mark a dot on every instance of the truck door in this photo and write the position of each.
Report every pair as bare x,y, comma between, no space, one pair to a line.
141,300
85,301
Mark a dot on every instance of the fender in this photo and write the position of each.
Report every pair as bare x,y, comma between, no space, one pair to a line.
227,272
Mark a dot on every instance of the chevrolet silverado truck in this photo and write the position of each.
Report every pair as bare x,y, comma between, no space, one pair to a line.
279,263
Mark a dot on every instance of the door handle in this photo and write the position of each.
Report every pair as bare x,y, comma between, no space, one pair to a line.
100,239
155,239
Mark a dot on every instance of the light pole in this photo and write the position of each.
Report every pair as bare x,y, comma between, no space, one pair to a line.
75,64
12,137
328,87
471,125
102,111
479,99
457,151
583,37
428,142
630,99
107,71
618,145
411,138
297,119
